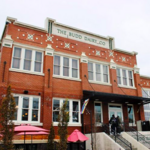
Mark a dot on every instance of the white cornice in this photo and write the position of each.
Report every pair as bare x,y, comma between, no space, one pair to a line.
143,76
14,20
125,52
28,46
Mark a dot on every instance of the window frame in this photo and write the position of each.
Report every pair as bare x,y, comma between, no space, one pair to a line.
70,123
97,123
148,96
101,73
70,67
30,108
22,59
131,124
127,77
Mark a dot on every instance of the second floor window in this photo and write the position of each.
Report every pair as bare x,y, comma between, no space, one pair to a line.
98,72
29,60
125,77
66,67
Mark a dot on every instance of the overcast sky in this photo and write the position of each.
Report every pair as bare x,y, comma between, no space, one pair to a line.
127,21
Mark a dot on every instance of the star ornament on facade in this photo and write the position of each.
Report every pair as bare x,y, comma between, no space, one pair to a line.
111,54
49,38
67,45
30,36
97,53
123,59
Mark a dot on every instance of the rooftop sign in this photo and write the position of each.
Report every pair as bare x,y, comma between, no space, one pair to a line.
80,36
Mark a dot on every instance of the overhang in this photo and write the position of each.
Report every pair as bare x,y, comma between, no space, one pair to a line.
114,98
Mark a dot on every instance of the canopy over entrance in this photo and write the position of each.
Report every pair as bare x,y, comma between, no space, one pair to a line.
116,98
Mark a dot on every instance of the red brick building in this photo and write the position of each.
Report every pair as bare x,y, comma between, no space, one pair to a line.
47,65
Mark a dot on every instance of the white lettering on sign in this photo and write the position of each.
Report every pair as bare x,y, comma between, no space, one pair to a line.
80,36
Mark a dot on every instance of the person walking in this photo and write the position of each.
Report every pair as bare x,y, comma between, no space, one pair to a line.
113,121
118,125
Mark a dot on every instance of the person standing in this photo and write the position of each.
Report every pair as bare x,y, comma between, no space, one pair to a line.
113,121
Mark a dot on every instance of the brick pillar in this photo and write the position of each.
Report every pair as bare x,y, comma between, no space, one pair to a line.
113,76
5,63
105,112
47,101
125,113
84,71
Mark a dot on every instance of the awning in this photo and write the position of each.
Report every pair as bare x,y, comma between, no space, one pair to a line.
114,98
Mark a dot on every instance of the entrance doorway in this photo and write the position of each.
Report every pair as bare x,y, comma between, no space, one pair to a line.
116,110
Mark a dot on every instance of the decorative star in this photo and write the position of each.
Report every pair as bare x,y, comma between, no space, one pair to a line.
123,59
111,54
67,45
97,53
30,36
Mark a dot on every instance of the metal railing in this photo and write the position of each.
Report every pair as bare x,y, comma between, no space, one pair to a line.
106,129
135,134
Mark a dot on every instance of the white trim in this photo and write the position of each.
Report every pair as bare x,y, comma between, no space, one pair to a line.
127,77
28,46
125,52
101,112
128,87
66,78
132,124
70,110
30,108
115,104
27,72
70,68
66,55
97,61
27,122
21,67
101,72
124,67
103,83
143,76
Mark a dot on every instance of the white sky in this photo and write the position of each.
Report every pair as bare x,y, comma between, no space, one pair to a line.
127,21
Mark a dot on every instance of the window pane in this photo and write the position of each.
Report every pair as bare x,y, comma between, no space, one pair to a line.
97,107
28,54
130,82
145,93
75,106
56,105
74,63
25,102
25,114
57,60
98,117
90,66
17,52
105,78
16,63
34,115
124,81
130,114
98,70
130,74
74,73
119,80
65,71
57,70
124,73
27,65
35,103
55,116
98,77
66,62
67,108
118,72
16,114
16,101
75,117
37,67
90,75
38,56
105,69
